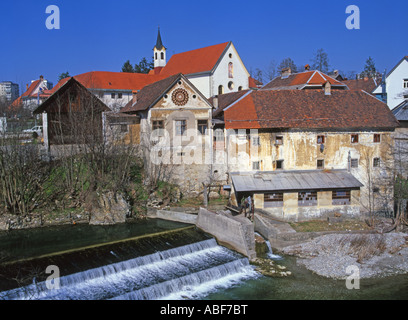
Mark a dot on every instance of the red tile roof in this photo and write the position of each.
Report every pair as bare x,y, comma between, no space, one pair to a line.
309,109
112,80
302,79
31,88
368,85
224,100
116,80
195,61
150,93
253,83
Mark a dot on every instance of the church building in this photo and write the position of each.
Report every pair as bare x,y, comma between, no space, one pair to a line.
214,70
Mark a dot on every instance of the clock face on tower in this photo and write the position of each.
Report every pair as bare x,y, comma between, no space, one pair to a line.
179,97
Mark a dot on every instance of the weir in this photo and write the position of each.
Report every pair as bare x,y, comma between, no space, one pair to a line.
169,271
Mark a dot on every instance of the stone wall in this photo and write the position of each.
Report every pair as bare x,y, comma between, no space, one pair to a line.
172,215
235,232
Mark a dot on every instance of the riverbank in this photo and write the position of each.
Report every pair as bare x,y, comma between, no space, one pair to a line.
375,255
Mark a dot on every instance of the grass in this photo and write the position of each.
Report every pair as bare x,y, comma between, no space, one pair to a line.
365,247
197,202
323,225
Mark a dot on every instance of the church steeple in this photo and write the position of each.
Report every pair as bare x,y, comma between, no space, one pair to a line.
159,53
159,43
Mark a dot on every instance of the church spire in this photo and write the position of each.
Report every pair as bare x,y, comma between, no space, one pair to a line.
159,54
159,43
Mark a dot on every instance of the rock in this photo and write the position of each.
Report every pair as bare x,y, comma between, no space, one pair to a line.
268,268
214,195
108,209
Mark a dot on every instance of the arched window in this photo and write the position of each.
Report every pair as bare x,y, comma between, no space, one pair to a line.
231,85
155,55
230,70
220,89
162,55
239,88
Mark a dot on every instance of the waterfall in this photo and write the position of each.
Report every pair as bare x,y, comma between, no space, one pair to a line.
187,271
270,253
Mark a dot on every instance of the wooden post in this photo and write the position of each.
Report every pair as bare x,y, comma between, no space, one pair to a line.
205,199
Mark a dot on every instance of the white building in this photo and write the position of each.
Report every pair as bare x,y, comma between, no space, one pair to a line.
396,85
213,70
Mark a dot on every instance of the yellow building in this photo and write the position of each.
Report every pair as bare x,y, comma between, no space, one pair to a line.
290,143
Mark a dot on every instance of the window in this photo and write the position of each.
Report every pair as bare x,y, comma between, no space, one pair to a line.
240,88
273,199
230,70
219,135
405,83
162,55
255,165
155,55
279,140
241,134
120,95
376,162
123,128
220,89
321,139
256,141
113,95
320,164
158,124
340,197
202,126
308,198
279,164
354,163
181,127
354,138
377,137
231,85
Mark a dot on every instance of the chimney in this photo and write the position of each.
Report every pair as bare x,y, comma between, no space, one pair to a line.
41,78
134,97
215,102
286,72
327,88
307,67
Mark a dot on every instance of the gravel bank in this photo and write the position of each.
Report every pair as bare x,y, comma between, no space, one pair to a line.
375,255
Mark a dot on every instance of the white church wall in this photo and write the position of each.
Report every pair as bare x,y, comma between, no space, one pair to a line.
222,74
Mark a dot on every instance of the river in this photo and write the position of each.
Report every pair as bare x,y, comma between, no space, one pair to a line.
173,259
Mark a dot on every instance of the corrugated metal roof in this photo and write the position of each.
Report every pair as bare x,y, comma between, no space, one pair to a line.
294,180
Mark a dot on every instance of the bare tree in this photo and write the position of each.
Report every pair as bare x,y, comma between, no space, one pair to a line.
271,71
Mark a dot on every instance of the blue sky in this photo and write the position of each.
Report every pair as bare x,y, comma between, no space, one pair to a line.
102,35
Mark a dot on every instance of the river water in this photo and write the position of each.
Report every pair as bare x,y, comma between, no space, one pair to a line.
159,260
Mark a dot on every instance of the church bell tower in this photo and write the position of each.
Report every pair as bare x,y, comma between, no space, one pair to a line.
159,52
